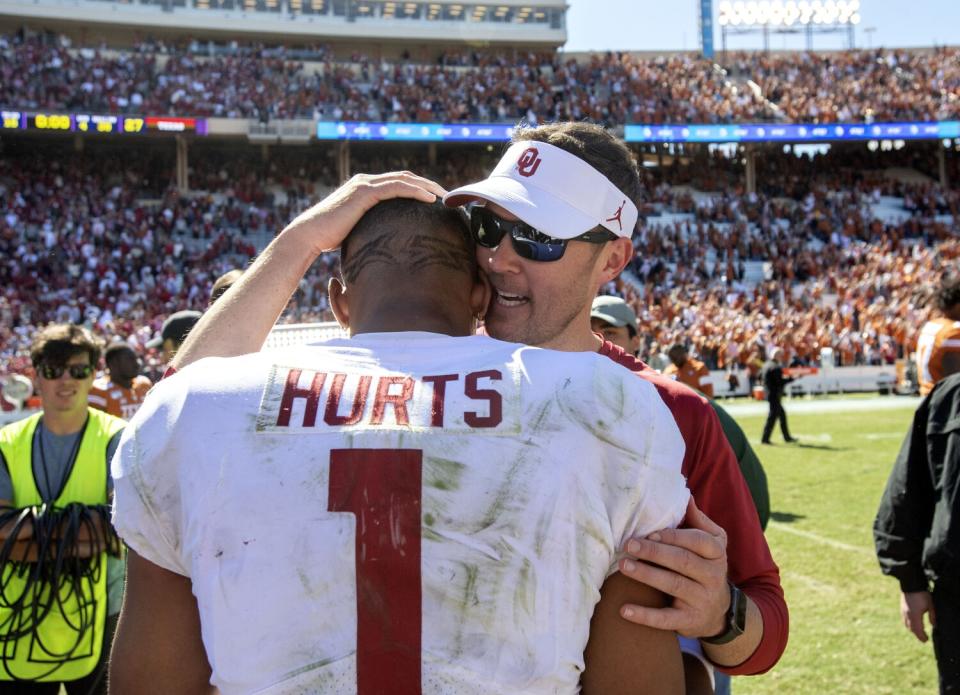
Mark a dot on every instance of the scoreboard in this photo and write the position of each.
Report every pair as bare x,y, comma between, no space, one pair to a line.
98,123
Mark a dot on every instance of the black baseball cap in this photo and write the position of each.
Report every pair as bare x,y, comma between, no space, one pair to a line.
176,328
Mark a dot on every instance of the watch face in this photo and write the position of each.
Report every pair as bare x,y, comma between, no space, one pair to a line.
736,618
738,610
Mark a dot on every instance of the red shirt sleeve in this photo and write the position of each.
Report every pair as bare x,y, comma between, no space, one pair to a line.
719,489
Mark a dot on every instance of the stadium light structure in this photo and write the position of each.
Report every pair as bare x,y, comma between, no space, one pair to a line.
807,17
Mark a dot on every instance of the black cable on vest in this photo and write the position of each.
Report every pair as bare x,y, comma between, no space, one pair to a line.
57,579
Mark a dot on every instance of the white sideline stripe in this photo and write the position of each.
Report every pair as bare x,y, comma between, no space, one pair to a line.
797,406
883,435
815,584
780,526
821,437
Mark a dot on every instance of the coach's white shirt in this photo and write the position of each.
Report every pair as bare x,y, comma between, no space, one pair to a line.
535,467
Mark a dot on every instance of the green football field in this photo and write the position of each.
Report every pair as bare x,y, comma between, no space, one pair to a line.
845,629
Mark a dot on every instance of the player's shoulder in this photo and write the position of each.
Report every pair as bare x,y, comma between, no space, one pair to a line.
407,349
948,330
565,364
590,376
212,375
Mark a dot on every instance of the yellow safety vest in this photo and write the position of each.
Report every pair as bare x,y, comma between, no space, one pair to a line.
54,651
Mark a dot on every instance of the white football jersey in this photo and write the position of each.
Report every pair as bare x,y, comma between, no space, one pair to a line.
397,512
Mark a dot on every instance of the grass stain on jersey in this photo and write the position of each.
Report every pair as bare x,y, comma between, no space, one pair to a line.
305,582
312,667
509,489
468,600
470,597
443,474
523,594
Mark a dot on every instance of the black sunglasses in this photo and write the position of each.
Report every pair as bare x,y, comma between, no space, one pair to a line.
489,229
77,371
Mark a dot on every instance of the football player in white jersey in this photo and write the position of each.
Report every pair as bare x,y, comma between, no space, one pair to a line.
553,224
413,510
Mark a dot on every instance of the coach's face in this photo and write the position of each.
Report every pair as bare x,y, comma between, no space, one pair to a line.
546,303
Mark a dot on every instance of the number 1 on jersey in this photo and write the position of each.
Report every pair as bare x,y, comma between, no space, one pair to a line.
382,488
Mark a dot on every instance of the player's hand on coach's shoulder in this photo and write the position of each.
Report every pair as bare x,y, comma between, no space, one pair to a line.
690,565
324,226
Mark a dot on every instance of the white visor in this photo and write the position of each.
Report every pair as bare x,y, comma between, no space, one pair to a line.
553,191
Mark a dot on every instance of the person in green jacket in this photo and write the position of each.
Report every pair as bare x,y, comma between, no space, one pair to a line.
55,532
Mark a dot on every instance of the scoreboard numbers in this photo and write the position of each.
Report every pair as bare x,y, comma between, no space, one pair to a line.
42,121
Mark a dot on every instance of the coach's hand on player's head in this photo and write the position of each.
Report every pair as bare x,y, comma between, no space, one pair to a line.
325,225
688,564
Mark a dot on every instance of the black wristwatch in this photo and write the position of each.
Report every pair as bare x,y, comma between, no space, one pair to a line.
736,618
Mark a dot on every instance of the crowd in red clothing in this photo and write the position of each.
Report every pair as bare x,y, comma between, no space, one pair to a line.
49,72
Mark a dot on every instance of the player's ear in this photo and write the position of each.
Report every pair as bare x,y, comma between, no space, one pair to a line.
339,302
480,295
616,254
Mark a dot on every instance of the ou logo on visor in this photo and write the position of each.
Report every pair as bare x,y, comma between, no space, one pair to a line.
529,162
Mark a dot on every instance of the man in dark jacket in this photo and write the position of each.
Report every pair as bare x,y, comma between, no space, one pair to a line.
773,383
917,529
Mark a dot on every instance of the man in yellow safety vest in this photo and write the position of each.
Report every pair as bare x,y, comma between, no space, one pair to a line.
54,529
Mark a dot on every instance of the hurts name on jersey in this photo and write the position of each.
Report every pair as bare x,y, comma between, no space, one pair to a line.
300,399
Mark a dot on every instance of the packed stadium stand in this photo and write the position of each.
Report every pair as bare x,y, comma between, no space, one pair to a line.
52,71
185,150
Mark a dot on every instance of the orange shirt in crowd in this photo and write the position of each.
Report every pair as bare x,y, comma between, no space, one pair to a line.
694,374
938,337
117,400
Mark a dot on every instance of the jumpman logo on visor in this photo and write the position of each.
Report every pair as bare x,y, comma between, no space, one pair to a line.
616,216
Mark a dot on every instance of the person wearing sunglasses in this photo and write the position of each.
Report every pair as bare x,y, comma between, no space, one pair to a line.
566,195
56,467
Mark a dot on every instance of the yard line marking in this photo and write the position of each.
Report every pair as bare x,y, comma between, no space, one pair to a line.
815,584
821,539
883,435
821,437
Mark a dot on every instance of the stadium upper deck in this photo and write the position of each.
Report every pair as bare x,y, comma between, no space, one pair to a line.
391,25
462,85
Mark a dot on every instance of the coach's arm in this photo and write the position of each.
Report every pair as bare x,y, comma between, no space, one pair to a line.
240,321
157,649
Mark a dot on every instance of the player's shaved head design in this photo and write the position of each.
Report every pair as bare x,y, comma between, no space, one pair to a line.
409,237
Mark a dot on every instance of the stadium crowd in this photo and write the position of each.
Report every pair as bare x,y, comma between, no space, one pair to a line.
108,241
48,72
841,264
86,237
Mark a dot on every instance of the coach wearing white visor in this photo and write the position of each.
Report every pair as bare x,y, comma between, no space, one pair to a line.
565,196
558,211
